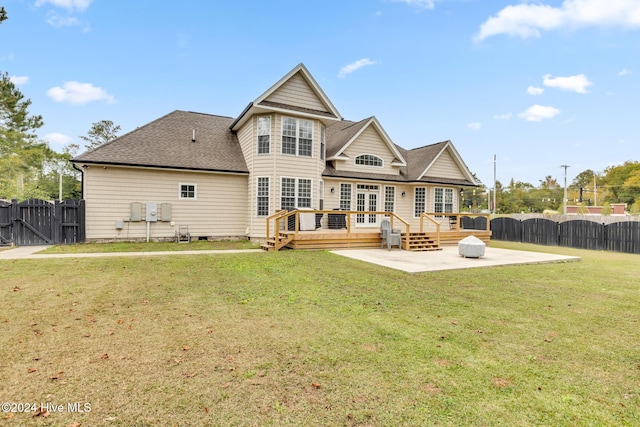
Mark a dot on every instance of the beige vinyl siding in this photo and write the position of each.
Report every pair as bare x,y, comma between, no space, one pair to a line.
368,142
220,209
246,136
277,165
297,92
445,167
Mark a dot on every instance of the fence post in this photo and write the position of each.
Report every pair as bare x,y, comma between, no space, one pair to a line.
57,222
82,236
13,217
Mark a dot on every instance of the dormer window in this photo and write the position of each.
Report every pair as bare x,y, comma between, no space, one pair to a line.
369,160
297,137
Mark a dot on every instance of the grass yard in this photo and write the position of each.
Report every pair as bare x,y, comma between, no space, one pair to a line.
310,338
196,245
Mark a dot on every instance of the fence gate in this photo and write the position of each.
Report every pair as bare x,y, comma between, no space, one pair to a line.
38,222
5,223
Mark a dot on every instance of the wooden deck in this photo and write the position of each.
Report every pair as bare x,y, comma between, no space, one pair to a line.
340,239
357,238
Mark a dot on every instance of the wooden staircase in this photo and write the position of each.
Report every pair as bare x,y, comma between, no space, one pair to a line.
282,240
420,241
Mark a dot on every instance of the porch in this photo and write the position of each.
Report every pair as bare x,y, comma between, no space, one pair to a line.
337,229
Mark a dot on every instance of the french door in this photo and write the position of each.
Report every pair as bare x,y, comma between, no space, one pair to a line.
367,200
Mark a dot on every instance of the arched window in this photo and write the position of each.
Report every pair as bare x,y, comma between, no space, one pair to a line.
369,160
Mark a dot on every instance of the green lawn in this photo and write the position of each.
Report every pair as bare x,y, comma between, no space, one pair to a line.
311,338
196,245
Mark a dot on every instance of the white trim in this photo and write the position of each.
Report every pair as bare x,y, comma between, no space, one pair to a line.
385,137
368,166
456,158
257,118
366,218
258,195
306,75
282,135
415,191
384,201
195,191
350,184
157,168
297,191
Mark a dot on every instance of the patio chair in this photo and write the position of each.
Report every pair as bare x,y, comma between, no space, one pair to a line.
390,237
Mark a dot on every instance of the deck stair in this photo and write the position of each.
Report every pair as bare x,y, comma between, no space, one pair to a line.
420,241
283,239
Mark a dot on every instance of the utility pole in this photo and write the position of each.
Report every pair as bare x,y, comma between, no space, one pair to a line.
60,182
495,204
565,187
595,191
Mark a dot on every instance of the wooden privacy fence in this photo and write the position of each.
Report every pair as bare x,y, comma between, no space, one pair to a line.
38,222
621,236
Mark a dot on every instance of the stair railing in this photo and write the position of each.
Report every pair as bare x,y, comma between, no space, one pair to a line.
425,216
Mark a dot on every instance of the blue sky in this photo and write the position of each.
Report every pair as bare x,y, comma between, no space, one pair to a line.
538,84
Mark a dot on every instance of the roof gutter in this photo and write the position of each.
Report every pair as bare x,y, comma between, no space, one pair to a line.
245,111
81,179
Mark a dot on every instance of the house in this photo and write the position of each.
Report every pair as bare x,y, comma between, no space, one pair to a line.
289,149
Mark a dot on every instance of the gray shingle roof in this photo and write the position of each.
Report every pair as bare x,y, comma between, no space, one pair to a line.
417,161
167,143
340,133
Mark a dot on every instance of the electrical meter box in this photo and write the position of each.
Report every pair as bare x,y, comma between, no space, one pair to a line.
152,212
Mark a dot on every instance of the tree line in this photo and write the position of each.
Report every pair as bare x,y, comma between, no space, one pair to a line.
29,168
616,184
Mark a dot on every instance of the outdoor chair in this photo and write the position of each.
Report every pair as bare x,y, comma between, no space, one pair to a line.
390,237
453,222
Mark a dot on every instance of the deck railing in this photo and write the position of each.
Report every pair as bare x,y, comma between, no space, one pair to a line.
281,221
460,220
425,216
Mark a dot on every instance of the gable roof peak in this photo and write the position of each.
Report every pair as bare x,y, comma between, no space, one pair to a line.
321,107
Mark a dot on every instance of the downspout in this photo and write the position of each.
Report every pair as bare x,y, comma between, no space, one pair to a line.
81,180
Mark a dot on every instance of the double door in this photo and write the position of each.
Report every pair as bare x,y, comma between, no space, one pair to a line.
367,197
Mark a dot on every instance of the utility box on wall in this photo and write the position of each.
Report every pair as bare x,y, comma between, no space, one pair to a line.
165,211
136,211
152,212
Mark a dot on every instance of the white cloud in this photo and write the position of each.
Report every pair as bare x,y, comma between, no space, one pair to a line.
63,21
578,83
79,93
57,138
421,4
528,20
19,80
537,113
66,4
348,69
506,116
624,72
474,126
7,58
532,90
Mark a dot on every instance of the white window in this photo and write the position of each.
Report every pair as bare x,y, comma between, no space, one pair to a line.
322,143
369,160
443,200
187,191
419,201
345,197
262,201
297,137
295,193
264,135
389,198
